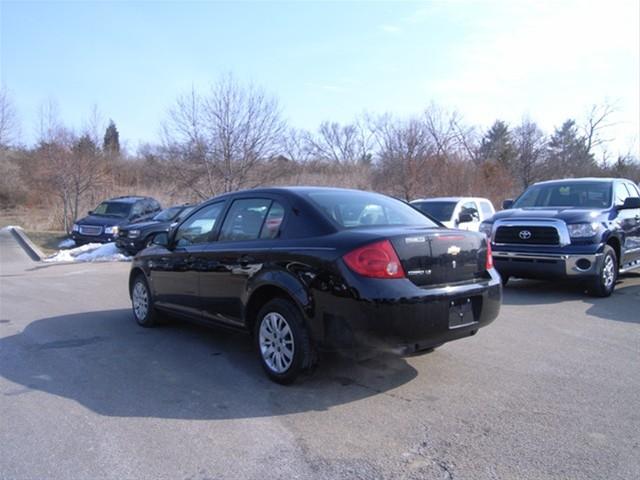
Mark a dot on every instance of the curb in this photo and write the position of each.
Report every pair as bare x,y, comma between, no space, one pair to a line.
27,245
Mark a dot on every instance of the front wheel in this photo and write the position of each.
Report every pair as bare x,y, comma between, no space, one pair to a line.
605,282
283,341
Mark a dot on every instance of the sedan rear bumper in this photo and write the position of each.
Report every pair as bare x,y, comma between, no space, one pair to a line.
410,323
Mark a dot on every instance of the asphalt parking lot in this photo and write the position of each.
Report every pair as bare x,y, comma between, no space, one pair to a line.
550,390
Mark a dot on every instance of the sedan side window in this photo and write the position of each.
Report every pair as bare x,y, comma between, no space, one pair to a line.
246,218
199,226
271,227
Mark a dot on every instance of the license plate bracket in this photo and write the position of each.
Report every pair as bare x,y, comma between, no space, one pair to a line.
460,312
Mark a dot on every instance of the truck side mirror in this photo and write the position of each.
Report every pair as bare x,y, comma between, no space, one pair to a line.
465,217
630,203
507,204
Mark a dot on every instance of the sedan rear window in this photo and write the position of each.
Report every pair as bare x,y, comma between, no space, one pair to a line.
361,209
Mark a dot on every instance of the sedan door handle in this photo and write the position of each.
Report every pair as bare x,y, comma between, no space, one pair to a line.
190,260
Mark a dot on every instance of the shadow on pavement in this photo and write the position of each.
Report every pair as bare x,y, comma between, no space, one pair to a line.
622,306
107,363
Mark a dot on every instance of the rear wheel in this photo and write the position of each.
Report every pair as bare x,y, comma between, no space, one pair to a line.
142,303
605,282
283,341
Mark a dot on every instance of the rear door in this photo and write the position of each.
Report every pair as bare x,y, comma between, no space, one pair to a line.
632,227
249,230
175,274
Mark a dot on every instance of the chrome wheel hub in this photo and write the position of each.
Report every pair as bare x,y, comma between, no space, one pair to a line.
276,342
608,272
140,301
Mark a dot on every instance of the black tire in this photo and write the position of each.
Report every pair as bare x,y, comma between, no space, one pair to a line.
604,284
145,317
272,342
505,279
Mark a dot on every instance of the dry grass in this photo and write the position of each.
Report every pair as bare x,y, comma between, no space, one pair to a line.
48,241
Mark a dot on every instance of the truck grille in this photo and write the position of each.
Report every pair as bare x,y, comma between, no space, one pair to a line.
90,230
527,235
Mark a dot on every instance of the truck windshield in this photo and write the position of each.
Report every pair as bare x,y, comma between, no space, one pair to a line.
571,194
113,209
441,211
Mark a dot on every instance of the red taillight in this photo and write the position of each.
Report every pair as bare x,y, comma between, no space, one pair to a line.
489,262
377,260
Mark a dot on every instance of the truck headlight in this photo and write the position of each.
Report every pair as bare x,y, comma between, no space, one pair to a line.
583,230
134,233
75,227
486,227
111,230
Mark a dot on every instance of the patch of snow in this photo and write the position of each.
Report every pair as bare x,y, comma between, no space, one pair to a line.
67,243
91,252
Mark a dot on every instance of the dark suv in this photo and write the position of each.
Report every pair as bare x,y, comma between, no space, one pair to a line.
584,228
136,236
102,223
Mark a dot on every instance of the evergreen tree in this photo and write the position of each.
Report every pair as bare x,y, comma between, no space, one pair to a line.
111,145
497,146
568,153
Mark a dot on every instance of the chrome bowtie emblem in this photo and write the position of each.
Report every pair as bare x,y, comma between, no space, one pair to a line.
524,234
453,250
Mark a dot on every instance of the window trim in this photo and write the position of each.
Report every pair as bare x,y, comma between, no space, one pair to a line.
271,199
214,231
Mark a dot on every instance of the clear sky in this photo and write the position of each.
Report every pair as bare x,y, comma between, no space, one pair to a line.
326,61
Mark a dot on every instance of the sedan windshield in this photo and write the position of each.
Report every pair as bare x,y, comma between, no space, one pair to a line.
113,209
358,209
441,211
171,213
573,194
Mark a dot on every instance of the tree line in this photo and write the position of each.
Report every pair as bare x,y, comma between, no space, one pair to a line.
234,136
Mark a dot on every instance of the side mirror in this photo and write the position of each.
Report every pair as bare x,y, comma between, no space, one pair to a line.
161,239
630,203
465,217
90,212
507,204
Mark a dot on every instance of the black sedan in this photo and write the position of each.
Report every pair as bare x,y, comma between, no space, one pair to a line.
308,268
136,236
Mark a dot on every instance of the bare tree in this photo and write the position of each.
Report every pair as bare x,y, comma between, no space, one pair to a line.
9,126
342,144
597,122
225,136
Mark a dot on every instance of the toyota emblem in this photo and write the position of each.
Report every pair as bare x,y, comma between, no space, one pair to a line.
524,234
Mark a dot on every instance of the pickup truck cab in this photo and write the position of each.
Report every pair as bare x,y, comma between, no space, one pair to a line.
584,228
464,213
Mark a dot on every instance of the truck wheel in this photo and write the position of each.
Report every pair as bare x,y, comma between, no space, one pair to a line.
605,282
283,341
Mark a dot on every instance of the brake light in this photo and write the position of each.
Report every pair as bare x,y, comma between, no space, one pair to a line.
489,261
377,260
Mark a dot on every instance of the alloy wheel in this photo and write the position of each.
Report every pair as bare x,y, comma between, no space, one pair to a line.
276,342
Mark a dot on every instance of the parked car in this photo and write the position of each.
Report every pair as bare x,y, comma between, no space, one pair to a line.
308,268
102,224
465,213
584,228
135,236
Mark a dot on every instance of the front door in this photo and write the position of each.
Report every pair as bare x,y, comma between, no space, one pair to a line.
174,274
